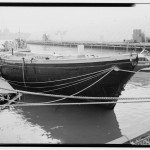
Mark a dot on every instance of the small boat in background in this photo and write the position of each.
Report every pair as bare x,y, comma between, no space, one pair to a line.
144,60
18,45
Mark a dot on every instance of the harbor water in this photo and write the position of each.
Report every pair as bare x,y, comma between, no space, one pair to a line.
85,124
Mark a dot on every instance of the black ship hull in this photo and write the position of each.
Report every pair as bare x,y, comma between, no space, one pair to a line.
94,78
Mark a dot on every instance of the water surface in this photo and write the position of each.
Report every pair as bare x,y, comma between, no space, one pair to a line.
88,124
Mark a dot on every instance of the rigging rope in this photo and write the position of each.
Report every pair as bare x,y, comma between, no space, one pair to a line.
62,79
132,99
75,83
70,83
86,87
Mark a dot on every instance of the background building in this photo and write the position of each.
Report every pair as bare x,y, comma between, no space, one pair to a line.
7,35
138,35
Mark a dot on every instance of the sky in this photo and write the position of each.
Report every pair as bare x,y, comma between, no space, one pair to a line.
77,23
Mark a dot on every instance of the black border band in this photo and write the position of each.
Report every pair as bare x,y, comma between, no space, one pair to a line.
53,4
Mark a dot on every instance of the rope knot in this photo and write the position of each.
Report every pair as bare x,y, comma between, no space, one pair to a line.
116,68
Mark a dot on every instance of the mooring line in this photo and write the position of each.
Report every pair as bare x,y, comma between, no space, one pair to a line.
85,97
74,97
65,104
132,71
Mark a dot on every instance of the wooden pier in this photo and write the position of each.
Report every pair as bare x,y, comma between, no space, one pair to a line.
139,138
96,45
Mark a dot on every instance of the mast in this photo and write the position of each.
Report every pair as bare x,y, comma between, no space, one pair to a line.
19,40
19,34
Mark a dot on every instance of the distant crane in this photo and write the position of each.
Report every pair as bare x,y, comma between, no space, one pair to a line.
61,34
45,37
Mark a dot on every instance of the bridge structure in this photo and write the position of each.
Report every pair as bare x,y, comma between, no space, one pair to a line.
98,45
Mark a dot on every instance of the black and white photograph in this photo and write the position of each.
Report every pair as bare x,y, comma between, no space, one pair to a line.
74,74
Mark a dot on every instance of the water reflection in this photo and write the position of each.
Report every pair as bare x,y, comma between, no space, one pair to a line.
75,124
134,118
15,128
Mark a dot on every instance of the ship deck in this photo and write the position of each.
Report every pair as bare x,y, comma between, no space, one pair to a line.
52,59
